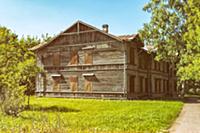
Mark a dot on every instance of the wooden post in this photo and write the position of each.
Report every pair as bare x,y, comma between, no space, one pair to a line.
78,31
125,72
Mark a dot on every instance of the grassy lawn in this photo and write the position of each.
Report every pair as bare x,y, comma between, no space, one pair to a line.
81,115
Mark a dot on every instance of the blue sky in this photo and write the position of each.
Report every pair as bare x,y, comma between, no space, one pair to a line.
36,17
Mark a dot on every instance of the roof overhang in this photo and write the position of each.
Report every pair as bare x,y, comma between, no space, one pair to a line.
56,75
88,74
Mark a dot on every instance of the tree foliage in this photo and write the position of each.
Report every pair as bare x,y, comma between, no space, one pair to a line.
17,70
189,67
174,31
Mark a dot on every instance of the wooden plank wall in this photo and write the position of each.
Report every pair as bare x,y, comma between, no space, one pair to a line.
105,60
151,78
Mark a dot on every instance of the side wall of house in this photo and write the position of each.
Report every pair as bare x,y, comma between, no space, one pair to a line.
147,77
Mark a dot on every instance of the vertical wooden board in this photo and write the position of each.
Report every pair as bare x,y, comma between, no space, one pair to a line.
143,85
73,57
56,86
132,56
88,57
140,84
56,59
73,86
167,85
146,85
73,83
155,85
132,83
162,84
88,85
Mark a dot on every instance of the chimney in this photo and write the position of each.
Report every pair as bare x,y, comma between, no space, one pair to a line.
105,28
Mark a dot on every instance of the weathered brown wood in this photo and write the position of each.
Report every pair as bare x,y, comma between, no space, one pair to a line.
86,62
78,32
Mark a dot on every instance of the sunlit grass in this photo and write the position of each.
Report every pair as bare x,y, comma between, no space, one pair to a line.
81,115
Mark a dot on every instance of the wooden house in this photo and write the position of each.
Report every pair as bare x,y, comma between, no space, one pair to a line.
86,62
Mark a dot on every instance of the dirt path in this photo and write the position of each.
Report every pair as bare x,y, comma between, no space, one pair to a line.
189,119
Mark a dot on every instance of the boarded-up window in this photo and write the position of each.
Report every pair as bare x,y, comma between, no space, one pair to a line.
164,87
88,57
132,56
88,85
132,84
89,79
73,83
146,85
56,84
167,86
73,57
157,85
56,59
143,61
141,83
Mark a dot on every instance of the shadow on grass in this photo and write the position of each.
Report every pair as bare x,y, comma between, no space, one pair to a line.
191,100
50,109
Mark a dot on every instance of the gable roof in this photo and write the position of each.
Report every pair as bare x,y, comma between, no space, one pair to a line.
117,38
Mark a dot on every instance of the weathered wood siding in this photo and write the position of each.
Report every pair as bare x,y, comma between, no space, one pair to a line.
85,62
151,78
73,55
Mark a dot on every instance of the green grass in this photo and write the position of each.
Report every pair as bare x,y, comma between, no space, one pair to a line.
81,115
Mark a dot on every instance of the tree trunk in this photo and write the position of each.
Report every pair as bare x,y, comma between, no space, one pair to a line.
28,102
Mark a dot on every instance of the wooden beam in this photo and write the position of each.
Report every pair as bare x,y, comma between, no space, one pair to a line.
82,92
90,43
78,27
78,32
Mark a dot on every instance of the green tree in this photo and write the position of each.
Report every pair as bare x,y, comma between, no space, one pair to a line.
174,32
17,70
11,92
189,67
